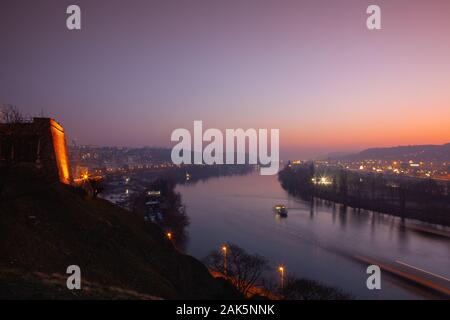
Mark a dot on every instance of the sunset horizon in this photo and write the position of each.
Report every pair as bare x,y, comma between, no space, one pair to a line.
310,69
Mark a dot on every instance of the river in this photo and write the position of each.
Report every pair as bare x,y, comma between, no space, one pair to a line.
316,241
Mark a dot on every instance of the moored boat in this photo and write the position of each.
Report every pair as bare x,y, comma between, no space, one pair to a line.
280,210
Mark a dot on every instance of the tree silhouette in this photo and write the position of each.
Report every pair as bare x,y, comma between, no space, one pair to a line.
244,270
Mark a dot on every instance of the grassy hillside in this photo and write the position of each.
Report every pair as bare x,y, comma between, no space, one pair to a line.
45,227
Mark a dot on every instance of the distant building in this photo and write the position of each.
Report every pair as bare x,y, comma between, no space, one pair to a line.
40,141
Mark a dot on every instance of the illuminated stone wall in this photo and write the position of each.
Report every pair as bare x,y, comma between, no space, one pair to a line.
60,150
41,142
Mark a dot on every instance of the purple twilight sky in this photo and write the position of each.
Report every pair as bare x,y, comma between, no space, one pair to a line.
139,69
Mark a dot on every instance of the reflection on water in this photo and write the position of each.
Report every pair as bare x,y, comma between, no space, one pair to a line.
319,239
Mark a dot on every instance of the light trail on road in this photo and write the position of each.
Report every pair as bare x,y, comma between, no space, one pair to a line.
422,270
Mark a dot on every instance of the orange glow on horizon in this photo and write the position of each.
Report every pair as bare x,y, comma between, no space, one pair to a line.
369,134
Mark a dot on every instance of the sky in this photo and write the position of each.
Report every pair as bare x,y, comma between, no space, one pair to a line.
140,69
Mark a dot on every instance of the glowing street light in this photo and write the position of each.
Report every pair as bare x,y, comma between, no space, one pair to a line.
281,270
225,250
169,235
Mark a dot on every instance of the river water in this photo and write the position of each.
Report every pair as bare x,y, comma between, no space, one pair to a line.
316,241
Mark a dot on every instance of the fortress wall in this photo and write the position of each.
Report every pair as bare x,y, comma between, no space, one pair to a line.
60,151
41,142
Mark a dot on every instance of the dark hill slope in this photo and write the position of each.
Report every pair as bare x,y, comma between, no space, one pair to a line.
45,227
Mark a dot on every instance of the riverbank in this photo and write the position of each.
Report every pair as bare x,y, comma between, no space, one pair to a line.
406,198
316,241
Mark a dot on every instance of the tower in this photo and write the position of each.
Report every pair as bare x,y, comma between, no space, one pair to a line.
41,142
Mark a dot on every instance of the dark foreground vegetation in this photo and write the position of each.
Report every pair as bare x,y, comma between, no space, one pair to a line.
46,227
251,275
423,199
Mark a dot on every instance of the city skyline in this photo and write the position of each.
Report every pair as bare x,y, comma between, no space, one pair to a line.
135,73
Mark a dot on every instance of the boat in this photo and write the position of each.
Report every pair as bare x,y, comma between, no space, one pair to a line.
280,210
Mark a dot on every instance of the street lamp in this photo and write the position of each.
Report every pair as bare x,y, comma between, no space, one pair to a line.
224,250
169,235
281,271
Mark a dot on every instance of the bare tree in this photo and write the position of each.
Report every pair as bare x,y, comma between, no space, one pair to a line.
242,269
10,114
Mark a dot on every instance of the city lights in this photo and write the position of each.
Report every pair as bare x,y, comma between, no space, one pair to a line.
281,270
225,267
322,181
